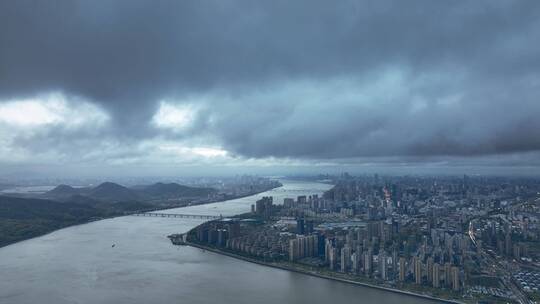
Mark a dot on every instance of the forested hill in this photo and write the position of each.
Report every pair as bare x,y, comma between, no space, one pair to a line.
23,218
112,192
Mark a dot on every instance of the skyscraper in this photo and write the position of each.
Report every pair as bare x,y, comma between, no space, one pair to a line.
436,279
300,226
327,250
402,269
447,275
455,278
345,258
333,258
368,262
355,257
309,227
429,270
417,270
383,266
294,250
263,207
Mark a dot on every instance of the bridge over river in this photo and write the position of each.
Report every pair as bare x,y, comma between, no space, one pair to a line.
178,215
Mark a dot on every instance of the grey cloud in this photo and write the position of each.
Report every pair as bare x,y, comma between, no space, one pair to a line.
257,60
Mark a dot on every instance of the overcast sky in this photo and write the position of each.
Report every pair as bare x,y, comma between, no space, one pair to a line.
145,86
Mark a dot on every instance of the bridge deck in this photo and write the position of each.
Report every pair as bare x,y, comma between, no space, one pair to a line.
177,215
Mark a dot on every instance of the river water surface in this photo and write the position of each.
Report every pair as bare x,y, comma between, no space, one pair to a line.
79,265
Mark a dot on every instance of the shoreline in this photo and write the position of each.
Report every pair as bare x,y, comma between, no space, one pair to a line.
210,202
129,214
318,275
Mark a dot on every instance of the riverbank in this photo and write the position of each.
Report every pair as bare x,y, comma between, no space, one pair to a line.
319,275
18,230
234,197
63,266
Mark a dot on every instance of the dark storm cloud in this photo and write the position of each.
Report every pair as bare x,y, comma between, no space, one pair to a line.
310,79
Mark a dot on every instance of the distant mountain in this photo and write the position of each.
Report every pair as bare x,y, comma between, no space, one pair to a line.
22,218
174,190
63,190
113,192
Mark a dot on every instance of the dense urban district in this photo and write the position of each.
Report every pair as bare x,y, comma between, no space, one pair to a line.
464,239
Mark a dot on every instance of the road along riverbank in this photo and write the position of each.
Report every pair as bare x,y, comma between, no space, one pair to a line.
319,275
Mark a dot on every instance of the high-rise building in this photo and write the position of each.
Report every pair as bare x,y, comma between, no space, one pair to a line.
508,244
222,237
436,272
304,246
417,270
309,227
383,266
447,275
233,229
327,250
310,248
402,269
315,252
368,262
517,252
300,226
294,249
288,202
455,278
355,258
394,263
264,207
345,258
333,258
321,245
429,270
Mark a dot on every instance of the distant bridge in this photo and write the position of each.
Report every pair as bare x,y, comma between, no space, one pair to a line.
177,215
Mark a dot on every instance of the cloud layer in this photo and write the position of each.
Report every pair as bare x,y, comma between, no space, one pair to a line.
305,81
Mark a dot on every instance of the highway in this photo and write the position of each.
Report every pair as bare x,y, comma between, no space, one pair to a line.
500,268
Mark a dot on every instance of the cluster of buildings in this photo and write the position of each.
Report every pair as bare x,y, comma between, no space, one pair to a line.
381,251
303,246
231,187
404,232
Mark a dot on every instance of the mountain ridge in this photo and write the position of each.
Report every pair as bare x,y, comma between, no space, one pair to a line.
113,192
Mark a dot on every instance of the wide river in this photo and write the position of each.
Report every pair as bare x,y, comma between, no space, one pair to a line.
79,265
